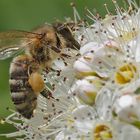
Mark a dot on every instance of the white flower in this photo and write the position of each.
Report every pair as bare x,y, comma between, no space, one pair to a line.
94,95
86,90
126,108
116,58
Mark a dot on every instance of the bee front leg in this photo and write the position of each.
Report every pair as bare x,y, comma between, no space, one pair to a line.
47,70
63,55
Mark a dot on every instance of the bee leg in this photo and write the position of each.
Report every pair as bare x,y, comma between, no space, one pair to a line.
36,81
47,70
63,55
51,69
46,93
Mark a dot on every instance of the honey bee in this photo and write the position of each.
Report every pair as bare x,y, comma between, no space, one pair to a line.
41,47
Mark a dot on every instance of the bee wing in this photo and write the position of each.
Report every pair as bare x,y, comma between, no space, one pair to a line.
13,41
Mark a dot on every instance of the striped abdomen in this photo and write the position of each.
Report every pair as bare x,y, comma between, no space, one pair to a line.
22,94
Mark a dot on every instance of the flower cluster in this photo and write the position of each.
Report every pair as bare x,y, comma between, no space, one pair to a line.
96,95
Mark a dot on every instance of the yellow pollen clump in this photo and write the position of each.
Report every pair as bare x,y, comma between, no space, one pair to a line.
127,36
80,74
102,132
70,122
98,82
37,83
91,97
125,74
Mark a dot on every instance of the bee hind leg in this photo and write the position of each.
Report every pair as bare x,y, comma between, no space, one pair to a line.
46,93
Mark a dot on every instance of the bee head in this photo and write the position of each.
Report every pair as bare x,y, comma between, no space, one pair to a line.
65,30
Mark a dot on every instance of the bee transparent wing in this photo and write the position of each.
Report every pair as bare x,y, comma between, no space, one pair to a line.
9,51
14,41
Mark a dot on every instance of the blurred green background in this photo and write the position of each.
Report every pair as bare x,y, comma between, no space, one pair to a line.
27,14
